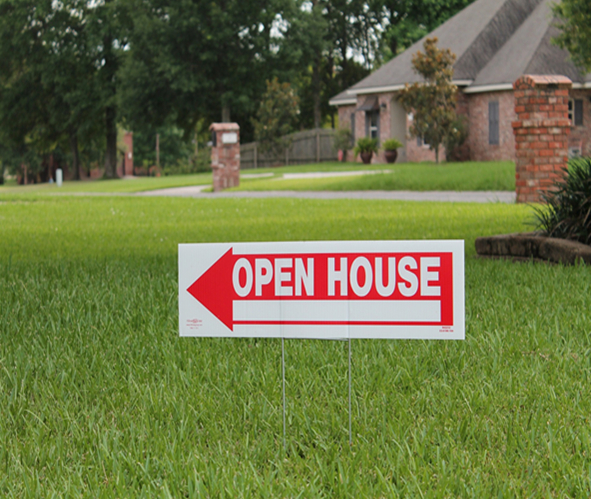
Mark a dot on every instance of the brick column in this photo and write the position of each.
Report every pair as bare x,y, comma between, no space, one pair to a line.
225,155
541,133
128,164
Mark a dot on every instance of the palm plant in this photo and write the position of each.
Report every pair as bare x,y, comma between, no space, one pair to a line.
567,214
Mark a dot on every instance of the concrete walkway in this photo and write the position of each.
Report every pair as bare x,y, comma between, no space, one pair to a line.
451,196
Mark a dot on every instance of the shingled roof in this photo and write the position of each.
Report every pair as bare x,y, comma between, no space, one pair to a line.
495,41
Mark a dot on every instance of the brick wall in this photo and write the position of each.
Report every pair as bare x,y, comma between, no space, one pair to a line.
478,138
416,153
541,133
580,136
345,116
360,124
385,102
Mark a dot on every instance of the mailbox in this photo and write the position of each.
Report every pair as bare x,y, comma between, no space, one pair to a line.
225,155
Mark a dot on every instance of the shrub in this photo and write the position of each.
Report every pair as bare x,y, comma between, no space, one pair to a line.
199,164
568,212
455,138
366,144
276,117
391,144
342,139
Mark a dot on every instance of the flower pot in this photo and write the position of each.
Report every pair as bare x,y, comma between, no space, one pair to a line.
366,157
391,156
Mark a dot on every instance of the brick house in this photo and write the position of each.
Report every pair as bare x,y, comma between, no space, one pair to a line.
496,42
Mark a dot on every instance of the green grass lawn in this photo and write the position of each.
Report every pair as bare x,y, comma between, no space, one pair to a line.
477,176
136,184
469,176
101,398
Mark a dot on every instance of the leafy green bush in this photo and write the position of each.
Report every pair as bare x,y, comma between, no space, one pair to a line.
568,212
343,139
366,144
276,117
391,144
455,138
198,164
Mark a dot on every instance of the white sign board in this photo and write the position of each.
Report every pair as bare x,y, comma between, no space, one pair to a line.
229,138
323,290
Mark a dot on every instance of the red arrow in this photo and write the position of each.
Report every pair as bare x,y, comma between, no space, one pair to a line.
214,289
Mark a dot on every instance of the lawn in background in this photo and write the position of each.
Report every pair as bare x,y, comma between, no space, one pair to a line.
101,398
135,184
470,176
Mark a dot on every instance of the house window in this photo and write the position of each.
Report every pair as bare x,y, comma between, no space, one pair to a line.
493,123
372,124
352,129
420,142
575,112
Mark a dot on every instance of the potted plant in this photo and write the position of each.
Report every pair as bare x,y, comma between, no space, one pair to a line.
391,149
366,147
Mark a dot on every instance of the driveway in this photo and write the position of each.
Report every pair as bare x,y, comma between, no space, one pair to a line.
451,196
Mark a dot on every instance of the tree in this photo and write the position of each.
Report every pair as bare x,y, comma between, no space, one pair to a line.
321,44
276,116
433,102
57,76
198,60
575,16
172,148
410,20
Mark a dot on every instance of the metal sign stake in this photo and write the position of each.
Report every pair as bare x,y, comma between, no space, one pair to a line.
350,433
283,375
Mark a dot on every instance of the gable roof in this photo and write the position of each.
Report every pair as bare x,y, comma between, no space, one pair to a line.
495,42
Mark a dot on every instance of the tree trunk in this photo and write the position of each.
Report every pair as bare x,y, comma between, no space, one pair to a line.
109,70
437,154
226,113
111,133
75,156
316,91
316,83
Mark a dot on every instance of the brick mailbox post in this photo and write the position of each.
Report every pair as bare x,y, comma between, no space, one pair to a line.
541,133
225,155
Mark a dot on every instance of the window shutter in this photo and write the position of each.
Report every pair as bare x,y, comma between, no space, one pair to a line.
493,123
578,112
352,129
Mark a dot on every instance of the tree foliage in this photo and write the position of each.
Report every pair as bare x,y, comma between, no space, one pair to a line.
59,61
575,25
188,60
410,20
432,102
276,116
73,72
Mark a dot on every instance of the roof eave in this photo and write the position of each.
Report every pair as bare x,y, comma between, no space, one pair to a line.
343,102
396,88
501,87
584,85
498,87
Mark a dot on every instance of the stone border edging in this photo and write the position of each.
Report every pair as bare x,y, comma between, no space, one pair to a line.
534,245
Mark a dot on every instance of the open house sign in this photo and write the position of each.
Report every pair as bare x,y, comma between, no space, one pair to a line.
323,290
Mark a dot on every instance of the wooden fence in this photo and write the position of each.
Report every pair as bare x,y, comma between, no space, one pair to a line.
310,146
